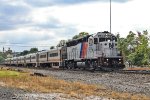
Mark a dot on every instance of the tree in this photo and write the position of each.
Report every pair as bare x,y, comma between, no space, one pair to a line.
75,37
33,50
135,48
2,57
61,43
25,52
52,47
80,35
68,40
142,50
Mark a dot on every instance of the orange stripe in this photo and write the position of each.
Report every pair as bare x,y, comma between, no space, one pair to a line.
84,51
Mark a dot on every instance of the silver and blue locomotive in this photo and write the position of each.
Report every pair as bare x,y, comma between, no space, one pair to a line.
97,51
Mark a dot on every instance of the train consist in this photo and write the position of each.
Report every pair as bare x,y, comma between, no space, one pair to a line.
97,51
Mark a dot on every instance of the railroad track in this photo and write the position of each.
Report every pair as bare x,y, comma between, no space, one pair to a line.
145,72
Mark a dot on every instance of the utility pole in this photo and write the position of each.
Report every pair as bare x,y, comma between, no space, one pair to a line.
3,49
111,51
110,16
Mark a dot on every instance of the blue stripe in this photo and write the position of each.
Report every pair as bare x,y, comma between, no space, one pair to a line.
81,49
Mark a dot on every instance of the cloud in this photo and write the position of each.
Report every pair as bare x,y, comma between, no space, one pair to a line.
43,3
12,16
25,25
120,1
40,22
25,37
39,37
16,14
50,23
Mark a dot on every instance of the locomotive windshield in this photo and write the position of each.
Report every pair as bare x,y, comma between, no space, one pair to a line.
102,39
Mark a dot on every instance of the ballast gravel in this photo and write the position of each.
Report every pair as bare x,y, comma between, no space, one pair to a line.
18,94
133,83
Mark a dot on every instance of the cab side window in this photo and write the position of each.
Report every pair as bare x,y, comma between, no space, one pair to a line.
95,40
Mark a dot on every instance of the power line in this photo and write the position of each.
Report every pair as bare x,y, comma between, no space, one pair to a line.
19,43
24,45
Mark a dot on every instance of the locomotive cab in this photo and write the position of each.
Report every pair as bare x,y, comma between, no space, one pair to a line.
109,57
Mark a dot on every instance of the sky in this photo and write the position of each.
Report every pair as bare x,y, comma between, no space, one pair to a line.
43,23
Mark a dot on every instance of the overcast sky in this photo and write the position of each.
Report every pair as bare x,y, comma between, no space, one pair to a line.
38,23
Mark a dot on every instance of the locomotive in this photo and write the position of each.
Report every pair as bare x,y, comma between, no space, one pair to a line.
96,51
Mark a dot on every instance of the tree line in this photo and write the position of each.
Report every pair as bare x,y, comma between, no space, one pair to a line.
135,48
25,52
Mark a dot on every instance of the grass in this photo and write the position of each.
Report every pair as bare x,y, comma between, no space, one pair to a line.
8,73
52,85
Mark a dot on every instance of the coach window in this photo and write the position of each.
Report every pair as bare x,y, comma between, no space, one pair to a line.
68,45
53,54
42,56
115,39
28,58
33,57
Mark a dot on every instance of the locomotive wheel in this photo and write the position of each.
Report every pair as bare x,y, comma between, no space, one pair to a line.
69,65
82,68
92,69
75,65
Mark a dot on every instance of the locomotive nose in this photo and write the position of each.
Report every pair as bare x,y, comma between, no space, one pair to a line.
113,62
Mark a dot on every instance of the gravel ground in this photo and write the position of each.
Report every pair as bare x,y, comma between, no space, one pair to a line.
18,94
133,83
7,93
10,93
